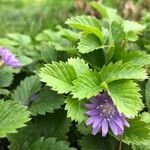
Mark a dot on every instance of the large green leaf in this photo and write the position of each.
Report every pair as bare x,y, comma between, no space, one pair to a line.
118,71
87,85
75,109
138,133
6,77
87,24
27,89
90,142
12,116
79,65
59,76
50,144
89,43
47,100
51,125
125,95
136,58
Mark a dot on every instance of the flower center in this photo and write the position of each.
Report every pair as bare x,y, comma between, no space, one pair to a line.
106,109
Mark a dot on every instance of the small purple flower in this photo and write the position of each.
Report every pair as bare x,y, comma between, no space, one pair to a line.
9,59
103,113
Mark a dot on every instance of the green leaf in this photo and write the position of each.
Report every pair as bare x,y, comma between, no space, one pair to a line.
51,144
87,85
12,116
79,65
138,133
24,93
105,11
75,109
50,125
147,94
133,26
20,38
118,71
87,24
136,58
89,43
59,76
125,95
90,142
47,100
6,77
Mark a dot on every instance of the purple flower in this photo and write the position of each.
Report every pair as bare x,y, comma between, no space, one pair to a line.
103,114
9,59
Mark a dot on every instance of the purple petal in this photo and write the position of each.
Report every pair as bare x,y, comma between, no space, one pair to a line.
119,122
92,112
97,122
95,130
113,127
90,120
90,106
104,127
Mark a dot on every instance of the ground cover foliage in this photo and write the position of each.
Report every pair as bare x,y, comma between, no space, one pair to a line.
42,102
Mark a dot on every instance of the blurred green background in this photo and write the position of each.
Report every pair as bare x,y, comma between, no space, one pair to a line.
32,16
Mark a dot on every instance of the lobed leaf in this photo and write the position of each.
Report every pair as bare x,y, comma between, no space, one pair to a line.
12,116
87,24
125,95
59,76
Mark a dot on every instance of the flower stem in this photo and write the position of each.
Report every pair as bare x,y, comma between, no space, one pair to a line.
120,144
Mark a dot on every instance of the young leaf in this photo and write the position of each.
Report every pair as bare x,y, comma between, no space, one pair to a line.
6,77
118,71
89,43
125,95
79,65
59,76
87,24
90,142
75,109
51,144
12,116
26,90
87,85
47,100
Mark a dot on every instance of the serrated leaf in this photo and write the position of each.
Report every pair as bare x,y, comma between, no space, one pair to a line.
136,58
147,94
6,77
79,65
138,133
12,116
59,76
87,85
87,24
21,39
47,100
89,43
75,109
26,90
90,142
118,71
50,125
125,95
51,144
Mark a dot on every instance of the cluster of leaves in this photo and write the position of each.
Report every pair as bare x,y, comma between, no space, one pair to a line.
61,70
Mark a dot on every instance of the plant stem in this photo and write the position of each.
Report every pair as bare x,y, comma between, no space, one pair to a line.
120,144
